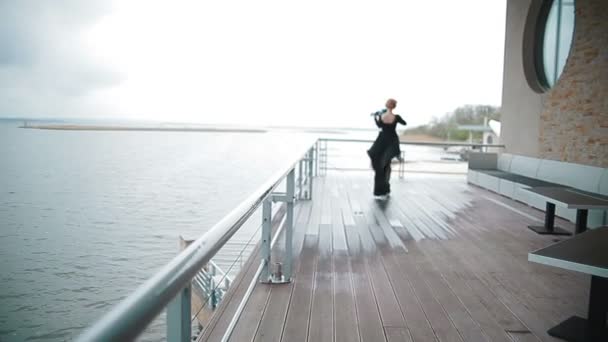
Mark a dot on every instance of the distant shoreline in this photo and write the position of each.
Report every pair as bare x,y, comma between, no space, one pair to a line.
84,127
145,129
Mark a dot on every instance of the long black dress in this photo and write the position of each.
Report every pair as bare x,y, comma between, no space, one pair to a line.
384,149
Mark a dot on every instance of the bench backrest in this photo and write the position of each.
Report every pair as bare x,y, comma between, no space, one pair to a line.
604,183
578,176
525,166
482,161
504,161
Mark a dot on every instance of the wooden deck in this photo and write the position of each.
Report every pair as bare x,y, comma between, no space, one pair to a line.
440,261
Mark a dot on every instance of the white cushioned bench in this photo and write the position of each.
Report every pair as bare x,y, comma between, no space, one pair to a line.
509,174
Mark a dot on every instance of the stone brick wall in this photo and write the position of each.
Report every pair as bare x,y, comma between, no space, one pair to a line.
574,121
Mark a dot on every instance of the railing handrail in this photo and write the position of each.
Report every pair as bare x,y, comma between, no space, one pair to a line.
133,314
419,143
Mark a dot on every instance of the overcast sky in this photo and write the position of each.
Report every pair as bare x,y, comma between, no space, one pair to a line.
313,63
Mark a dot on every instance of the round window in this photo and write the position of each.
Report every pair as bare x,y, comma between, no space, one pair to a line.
555,31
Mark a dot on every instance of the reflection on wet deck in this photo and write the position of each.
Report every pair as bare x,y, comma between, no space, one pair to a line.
440,260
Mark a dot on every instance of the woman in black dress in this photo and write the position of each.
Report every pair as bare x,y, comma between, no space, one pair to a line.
385,148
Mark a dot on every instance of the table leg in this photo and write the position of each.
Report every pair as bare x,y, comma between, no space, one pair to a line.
581,220
594,327
549,227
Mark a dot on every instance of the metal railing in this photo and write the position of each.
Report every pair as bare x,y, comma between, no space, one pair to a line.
324,154
211,280
170,287
213,283
418,143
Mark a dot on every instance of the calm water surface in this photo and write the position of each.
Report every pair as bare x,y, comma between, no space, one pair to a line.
87,216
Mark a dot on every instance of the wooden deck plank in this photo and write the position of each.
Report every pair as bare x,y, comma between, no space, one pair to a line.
397,334
300,228
538,325
379,212
322,312
459,265
516,246
345,206
477,310
469,329
441,260
525,336
384,288
271,324
497,309
497,300
298,315
345,313
518,300
326,204
409,224
338,236
390,312
368,316
531,289
315,214
476,331
441,324
473,305
416,320
439,320
249,321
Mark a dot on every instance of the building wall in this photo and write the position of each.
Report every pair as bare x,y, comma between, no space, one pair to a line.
521,106
574,120
570,121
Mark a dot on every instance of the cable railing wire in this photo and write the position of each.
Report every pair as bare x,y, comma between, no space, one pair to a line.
227,272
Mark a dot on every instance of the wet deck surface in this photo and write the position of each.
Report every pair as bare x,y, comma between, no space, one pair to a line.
440,261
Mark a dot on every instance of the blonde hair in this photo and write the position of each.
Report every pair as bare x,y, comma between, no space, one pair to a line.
391,103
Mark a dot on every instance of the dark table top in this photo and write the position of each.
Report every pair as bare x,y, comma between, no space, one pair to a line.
585,253
571,198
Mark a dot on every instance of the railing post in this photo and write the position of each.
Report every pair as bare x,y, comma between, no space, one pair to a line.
289,226
323,158
310,173
178,317
300,164
320,158
210,287
226,283
316,159
266,237
305,166
214,299
402,164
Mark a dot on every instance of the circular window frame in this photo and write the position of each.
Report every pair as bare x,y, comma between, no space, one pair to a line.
534,32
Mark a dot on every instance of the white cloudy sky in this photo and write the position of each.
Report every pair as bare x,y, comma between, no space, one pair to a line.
313,63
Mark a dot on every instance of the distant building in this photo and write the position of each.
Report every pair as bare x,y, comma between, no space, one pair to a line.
490,131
